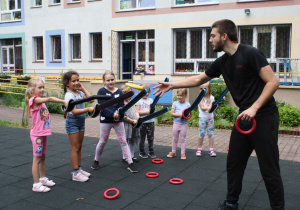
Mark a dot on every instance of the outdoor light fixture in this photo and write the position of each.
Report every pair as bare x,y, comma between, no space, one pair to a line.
247,11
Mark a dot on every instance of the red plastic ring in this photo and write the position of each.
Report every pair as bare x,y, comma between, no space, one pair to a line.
152,174
176,181
157,160
188,117
245,132
113,196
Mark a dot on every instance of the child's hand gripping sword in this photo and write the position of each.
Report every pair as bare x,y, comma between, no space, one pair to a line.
150,116
187,113
215,104
99,107
72,103
121,111
152,106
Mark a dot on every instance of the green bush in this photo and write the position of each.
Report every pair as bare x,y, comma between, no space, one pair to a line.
13,100
54,107
289,116
227,112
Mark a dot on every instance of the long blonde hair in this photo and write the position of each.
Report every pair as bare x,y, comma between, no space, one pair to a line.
30,93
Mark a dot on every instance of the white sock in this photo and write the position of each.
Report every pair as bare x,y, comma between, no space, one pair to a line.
35,184
199,148
211,149
41,179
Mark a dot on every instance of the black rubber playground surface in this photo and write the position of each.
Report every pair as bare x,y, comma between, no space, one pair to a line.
204,178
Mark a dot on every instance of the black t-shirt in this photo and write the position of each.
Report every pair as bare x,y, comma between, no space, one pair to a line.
241,74
107,114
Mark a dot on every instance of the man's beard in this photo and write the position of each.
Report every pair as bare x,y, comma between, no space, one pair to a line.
219,46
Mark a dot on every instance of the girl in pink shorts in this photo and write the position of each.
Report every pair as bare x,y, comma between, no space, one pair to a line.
41,128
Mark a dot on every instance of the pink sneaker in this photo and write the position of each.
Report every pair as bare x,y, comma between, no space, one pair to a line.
87,174
198,153
46,182
40,188
79,177
212,153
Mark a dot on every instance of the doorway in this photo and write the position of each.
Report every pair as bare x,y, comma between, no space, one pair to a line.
127,59
11,53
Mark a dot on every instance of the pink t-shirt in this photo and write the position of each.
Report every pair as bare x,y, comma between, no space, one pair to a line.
40,119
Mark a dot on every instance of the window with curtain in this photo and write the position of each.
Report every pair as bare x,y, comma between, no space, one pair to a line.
75,47
96,46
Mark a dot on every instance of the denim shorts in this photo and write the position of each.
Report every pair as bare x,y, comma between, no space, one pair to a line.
75,123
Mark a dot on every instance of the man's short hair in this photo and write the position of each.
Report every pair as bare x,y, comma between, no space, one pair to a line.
228,27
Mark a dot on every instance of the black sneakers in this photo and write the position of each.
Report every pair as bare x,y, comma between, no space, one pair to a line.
151,155
132,168
95,165
143,155
224,206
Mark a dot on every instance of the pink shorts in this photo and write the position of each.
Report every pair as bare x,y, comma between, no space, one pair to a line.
39,145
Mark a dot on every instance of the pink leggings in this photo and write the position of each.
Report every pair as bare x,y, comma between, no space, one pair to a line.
104,134
179,130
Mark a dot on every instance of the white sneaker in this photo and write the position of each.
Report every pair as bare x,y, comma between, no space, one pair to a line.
212,153
79,177
46,182
39,187
87,174
198,153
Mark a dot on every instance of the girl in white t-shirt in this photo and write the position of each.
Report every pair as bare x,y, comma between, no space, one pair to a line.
206,120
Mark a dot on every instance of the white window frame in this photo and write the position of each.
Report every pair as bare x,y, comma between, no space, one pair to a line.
272,57
251,0
72,47
195,61
197,3
138,6
52,48
35,3
52,3
11,13
35,47
145,63
74,1
92,47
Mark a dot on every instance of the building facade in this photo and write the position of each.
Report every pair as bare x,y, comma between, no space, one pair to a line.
142,39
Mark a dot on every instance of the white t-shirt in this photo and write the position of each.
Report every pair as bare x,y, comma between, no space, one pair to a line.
206,114
145,106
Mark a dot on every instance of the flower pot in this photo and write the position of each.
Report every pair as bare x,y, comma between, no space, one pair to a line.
5,79
22,81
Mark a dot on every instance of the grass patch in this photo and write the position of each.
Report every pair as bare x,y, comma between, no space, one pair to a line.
12,124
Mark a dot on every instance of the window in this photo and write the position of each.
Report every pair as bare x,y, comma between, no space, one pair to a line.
96,46
145,47
10,10
192,51
75,47
135,4
195,2
73,1
54,2
38,49
272,40
56,48
37,3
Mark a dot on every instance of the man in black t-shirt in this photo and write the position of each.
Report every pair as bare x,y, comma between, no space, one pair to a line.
252,84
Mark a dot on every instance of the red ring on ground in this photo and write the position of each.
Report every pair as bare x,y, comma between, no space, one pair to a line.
242,131
152,174
112,196
188,117
157,160
176,181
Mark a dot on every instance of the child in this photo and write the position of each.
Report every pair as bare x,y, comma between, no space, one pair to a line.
107,121
206,120
36,108
180,125
147,128
75,122
132,134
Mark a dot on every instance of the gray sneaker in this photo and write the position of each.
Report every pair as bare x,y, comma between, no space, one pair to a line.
151,155
132,168
143,155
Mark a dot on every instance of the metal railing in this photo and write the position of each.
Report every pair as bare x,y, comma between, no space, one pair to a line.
287,71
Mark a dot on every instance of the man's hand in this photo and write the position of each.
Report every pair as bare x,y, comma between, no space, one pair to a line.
247,115
163,87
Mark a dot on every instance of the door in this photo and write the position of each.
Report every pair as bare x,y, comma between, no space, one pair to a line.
127,60
8,60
